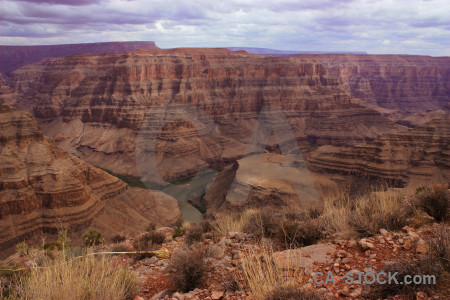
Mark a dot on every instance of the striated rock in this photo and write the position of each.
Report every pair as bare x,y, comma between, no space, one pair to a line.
44,189
305,257
13,57
412,157
395,85
197,107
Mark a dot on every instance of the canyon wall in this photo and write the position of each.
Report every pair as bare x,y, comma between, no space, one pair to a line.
397,85
414,157
44,189
13,57
201,105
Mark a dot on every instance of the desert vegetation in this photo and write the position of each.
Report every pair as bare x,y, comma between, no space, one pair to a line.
242,251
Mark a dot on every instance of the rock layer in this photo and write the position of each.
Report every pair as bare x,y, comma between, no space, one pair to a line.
43,188
396,85
414,157
13,57
96,105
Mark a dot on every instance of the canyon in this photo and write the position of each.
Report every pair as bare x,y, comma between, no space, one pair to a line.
167,115
44,189
195,107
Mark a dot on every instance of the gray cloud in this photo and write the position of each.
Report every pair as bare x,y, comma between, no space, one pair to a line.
374,26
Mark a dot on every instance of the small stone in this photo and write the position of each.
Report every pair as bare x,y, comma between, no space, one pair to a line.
341,253
216,295
401,241
407,245
373,255
421,296
384,231
365,245
413,236
421,247
138,298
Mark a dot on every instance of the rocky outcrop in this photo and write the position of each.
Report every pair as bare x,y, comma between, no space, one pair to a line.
413,157
44,189
262,180
13,57
395,85
200,106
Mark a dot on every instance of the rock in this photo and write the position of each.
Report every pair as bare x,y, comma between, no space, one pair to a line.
384,231
216,295
407,245
421,247
303,258
421,296
341,253
413,236
139,298
365,245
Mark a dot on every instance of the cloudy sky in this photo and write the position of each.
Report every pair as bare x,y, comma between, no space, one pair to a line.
373,26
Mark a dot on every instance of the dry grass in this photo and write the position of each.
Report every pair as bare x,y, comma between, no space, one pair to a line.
225,223
88,277
262,275
367,214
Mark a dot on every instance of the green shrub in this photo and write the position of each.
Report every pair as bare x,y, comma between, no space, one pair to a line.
92,237
22,248
118,238
177,232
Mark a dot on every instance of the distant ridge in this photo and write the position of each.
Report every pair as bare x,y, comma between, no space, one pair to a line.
13,57
267,51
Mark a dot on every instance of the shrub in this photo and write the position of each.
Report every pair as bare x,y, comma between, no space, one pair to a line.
187,268
92,238
22,248
300,233
380,209
143,244
52,245
292,292
262,224
177,232
194,234
206,225
120,248
439,248
435,202
404,268
150,227
153,237
118,238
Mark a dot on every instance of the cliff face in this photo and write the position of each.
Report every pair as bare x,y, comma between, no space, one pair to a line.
13,57
396,85
416,156
43,188
96,105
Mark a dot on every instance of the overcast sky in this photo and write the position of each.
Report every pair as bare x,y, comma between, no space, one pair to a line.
373,26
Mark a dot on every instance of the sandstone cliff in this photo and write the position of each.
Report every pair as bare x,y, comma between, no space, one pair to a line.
13,57
396,85
96,105
414,157
43,189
